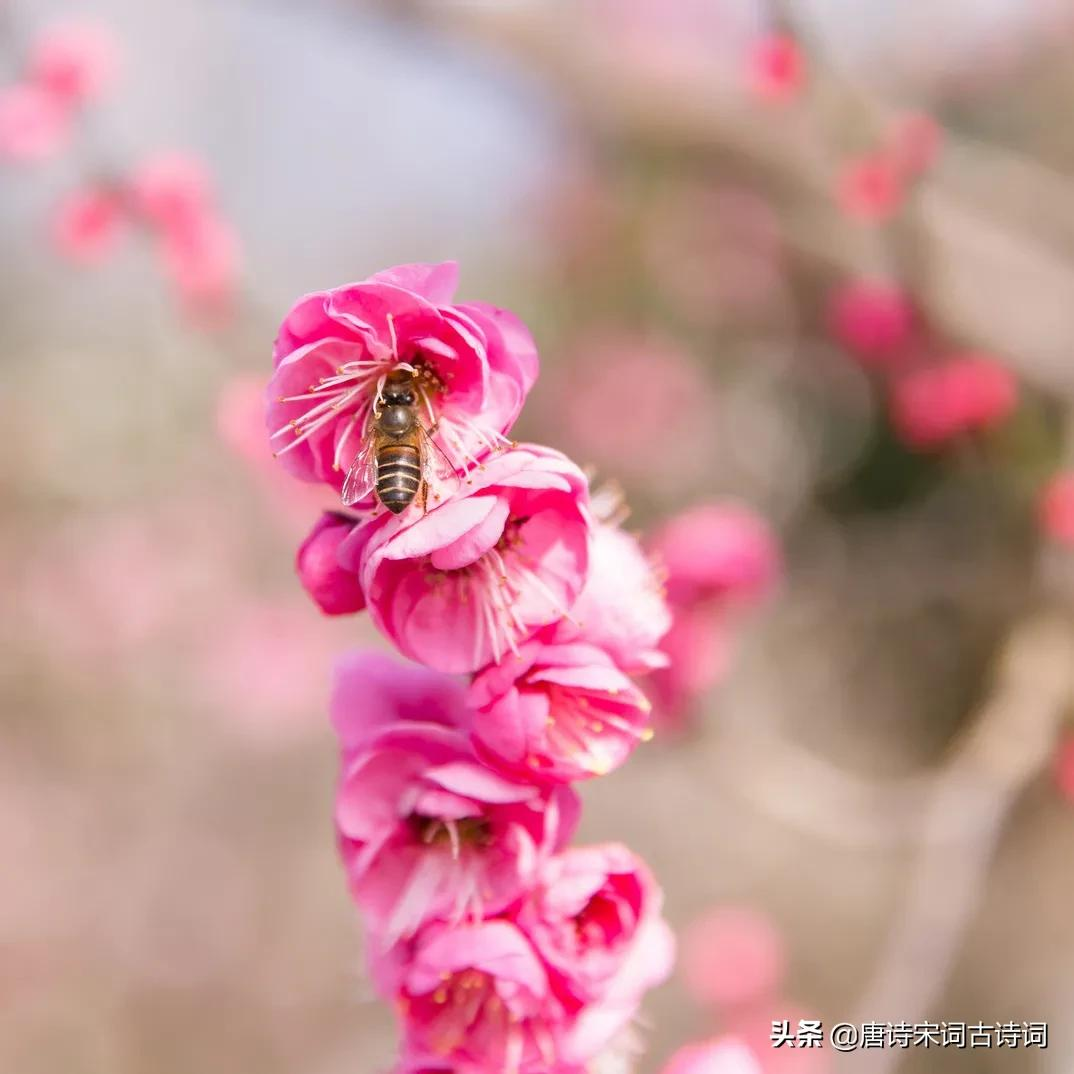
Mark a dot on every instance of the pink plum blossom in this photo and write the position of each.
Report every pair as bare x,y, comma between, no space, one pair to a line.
722,1055
88,224
475,997
718,559
776,68
171,188
595,919
425,829
873,319
732,956
201,258
558,712
335,348
698,648
334,589
720,550
74,62
476,576
932,406
33,124
622,608
1056,510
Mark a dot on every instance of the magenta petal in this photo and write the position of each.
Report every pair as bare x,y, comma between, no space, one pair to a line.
440,527
435,283
478,782
372,691
473,544
508,726
368,794
494,946
597,678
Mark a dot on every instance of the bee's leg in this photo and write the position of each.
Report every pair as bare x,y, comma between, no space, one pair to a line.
422,498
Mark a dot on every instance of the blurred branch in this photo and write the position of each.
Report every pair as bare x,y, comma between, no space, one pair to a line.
987,218
1009,743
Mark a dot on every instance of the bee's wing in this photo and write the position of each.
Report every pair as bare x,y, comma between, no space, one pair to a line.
361,478
439,474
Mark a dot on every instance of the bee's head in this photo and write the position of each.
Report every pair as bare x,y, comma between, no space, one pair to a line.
398,396
399,389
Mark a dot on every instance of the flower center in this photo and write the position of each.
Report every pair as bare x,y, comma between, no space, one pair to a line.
440,832
462,997
599,920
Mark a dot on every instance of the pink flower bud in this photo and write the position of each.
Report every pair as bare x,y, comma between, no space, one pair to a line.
335,589
74,62
33,124
777,70
873,319
717,550
933,406
171,188
201,256
88,224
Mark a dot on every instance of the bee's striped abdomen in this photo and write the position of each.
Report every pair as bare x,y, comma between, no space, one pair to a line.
398,475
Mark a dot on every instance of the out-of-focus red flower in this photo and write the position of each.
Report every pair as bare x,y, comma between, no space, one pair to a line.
74,61
914,143
34,125
1064,767
202,259
1056,513
931,407
731,956
777,69
722,1055
171,188
873,319
88,224
870,188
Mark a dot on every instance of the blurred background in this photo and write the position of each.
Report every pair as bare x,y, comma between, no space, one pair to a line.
816,258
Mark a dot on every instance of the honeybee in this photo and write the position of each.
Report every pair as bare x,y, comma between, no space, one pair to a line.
398,458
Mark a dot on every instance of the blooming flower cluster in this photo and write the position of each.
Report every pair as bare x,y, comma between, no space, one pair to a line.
170,195
524,612
871,188
70,65
934,398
